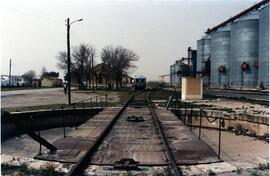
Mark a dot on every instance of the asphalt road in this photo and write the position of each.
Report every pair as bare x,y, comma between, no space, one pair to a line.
34,97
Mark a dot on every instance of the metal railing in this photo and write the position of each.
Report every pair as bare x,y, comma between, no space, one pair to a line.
31,128
187,118
98,101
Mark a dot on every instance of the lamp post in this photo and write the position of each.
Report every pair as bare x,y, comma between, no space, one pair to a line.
68,57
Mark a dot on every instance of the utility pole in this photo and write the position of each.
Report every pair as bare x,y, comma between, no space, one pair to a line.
68,60
9,76
92,65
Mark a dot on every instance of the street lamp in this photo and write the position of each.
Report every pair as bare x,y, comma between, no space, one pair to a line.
68,57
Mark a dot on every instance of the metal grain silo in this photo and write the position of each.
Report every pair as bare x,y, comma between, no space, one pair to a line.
220,54
203,51
244,53
263,75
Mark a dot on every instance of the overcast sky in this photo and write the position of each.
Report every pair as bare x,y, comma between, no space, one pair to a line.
33,31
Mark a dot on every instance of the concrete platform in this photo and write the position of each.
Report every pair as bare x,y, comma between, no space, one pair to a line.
137,140
72,147
186,148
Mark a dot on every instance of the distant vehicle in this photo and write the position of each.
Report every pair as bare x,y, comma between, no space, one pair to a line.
139,83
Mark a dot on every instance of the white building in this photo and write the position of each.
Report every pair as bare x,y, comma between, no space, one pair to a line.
15,81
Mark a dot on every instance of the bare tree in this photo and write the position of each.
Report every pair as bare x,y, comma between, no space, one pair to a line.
119,61
82,56
81,70
29,75
43,70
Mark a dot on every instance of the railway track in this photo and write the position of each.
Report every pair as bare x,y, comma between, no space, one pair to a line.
249,96
135,137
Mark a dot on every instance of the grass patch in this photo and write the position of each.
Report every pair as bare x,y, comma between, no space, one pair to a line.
49,170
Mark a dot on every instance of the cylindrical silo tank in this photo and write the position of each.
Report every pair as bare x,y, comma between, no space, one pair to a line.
263,75
220,54
244,54
203,51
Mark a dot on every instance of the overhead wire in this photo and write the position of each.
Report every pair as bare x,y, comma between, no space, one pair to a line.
41,11
34,15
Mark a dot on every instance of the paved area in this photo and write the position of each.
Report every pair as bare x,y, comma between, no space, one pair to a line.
35,97
241,154
128,139
76,143
236,148
25,146
185,146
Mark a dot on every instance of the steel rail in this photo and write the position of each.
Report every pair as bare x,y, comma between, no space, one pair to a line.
80,165
174,169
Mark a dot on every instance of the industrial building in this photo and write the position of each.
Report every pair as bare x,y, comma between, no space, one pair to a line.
237,50
182,67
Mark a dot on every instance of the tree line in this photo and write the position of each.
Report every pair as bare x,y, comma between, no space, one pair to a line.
115,63
31,74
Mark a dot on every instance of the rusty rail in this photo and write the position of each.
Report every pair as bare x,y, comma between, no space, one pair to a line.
80,165
173,166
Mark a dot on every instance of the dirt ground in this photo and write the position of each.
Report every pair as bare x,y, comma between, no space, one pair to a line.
242,155
39,97
236,105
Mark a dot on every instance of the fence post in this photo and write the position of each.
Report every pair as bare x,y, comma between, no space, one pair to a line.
40,146
91,103
96,102
33,124
200,127
106,100
185,114
100,101
191,110
63,121
219,137
83,104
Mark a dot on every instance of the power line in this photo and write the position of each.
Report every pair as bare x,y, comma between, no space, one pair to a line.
33,15
40,11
